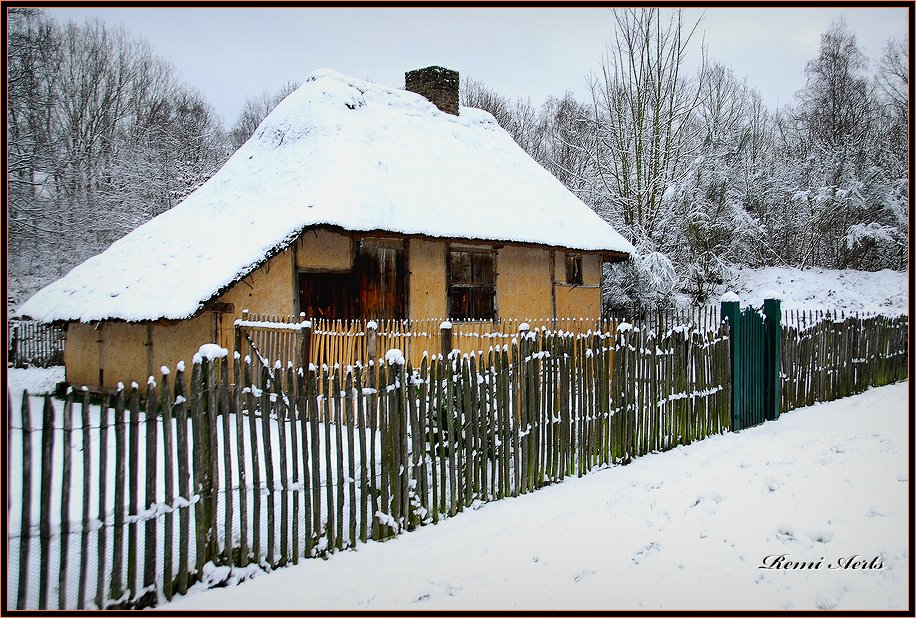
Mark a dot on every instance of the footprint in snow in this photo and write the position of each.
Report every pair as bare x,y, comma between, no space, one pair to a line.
821,536
873,512
648,550
708,500
445,587
785,534
583,574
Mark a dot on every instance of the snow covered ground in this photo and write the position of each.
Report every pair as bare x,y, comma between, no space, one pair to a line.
688,529
884,291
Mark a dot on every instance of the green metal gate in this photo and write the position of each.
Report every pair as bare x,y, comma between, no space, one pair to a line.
755,339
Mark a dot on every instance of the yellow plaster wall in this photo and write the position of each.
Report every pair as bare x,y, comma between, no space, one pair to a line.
269,289
427,297
81,355
523,281
581,301
578,302
320,249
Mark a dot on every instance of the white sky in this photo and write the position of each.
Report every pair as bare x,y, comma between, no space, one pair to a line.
231,54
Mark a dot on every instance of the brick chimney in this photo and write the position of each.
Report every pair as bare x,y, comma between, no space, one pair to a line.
439,85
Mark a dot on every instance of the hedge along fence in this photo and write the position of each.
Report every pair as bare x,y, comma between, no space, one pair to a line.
826,356
206,477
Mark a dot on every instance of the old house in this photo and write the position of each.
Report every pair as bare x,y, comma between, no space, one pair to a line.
350,200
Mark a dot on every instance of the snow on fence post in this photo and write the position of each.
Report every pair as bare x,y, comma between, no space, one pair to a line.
445,337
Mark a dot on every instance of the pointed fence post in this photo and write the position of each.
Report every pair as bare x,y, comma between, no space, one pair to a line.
773,312
731,311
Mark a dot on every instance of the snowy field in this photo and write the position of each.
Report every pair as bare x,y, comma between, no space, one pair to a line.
688,529
884,291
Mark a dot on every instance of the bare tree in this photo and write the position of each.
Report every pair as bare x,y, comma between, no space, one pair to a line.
255,111
643,103
102,137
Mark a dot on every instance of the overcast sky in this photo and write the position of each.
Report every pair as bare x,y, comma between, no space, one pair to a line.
231,54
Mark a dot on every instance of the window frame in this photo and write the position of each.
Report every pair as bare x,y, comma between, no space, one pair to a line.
487,288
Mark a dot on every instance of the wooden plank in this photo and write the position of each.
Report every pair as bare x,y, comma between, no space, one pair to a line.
25,536
329,474
294,409
464,434
452,436
251,404
514,367
352,412
266,445
384,507
440,410
116,590
184,480
87,475
168,457
305,453
420,440
472,423
148,595
282,415
211,459
199,459
315,453
228,408
66,477
365,515
133,480
103,503
339,414
434,430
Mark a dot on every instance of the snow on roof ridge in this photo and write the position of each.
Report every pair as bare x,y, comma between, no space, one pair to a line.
338,151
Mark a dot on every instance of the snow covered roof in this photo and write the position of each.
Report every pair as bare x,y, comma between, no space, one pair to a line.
338,151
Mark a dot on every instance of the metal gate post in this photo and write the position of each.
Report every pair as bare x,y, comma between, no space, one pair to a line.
773,375
731,311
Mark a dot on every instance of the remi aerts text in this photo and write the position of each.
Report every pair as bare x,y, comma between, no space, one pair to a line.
848,563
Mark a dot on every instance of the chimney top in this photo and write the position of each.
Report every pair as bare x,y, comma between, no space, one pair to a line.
438,84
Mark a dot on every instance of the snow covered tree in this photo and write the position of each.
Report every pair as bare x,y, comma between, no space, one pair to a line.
255,111
848,207
103,136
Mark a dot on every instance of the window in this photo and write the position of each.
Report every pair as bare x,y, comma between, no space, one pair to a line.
573,269
327,295
471,284
375,287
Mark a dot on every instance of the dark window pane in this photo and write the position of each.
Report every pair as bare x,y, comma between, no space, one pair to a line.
483,268
471,294
573,268
460,266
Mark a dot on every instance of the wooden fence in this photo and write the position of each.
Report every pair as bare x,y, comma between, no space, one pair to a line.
345,342
205,477
34,343
826,356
